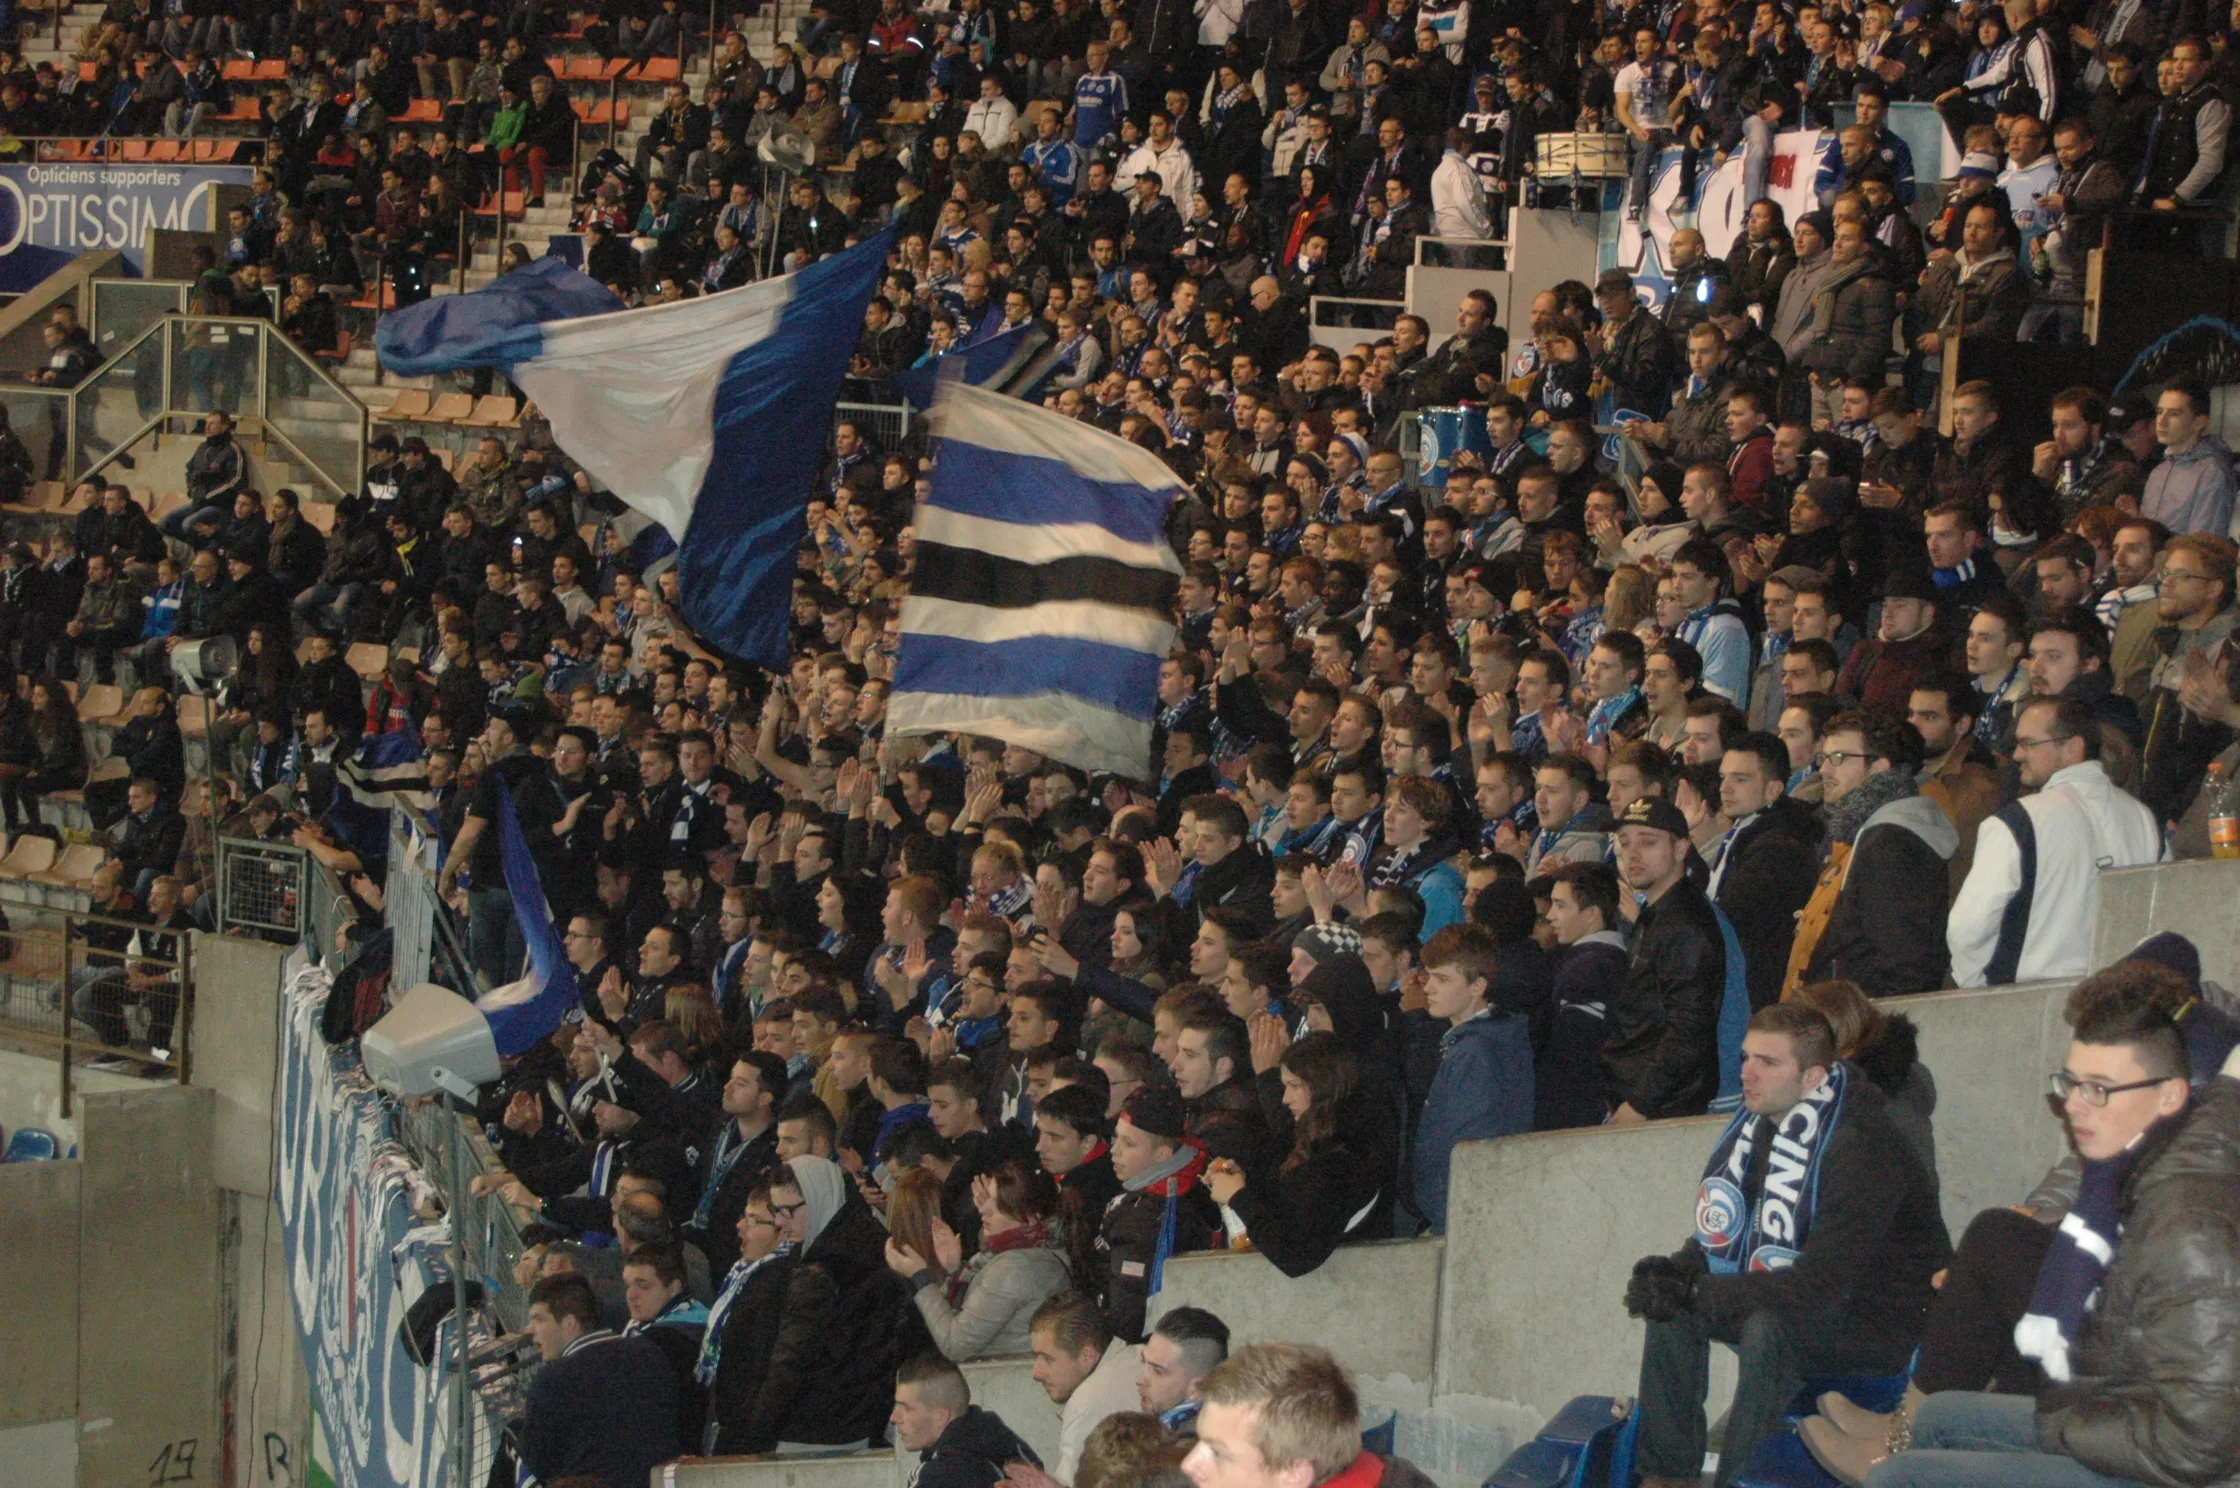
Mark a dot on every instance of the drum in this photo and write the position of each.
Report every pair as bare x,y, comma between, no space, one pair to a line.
1589,155
1442,432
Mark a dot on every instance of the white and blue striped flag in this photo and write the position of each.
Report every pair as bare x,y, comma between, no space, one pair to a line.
707,415
1042,596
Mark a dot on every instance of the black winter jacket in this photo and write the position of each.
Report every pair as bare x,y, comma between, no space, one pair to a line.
829,1380
973,1453
1662,1054
1769,872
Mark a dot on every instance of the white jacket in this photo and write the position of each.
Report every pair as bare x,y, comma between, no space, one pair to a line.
1458,200
1178,176
2083,823
1109,1390
994,120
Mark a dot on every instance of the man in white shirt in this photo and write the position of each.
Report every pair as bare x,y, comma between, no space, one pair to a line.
1458,198
2027,910
1086,1372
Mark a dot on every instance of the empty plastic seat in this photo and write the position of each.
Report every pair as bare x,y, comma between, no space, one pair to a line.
668,70
409,404
369,659
495,411
194,717
28,855
100,703
451,408
422,111
76,866
31,1144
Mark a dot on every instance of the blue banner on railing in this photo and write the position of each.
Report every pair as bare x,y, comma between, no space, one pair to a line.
51,212
358,1256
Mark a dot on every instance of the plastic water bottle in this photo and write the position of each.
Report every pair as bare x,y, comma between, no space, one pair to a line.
2224,825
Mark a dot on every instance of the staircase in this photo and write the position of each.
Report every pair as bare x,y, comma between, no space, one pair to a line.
39,44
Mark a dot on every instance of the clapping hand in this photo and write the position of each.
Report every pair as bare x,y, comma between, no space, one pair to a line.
1269,1039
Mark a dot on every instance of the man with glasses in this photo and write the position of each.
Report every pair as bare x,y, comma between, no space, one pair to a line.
2131,1316
1875,914
2195,606
2026,912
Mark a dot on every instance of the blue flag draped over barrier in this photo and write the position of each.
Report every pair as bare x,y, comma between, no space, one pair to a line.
707,415
523,1013
1041,603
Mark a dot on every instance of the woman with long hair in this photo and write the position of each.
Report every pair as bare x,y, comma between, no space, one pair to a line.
1886,1048
982,1306
1325,1189
58,750
1314,214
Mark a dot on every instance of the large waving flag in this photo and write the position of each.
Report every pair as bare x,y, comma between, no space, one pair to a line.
387,770
1041,602
706,415
523,1012
987,362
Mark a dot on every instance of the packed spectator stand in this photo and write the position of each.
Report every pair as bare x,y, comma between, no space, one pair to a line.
1600,775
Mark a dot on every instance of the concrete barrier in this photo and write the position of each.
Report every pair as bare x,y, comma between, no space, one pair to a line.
1259,1303
1006,1386
1990,1051
1542,1232
38,1293
148,1289
2195,899
858,1470
236,1044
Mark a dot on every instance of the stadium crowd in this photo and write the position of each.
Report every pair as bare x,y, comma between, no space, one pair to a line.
1508,796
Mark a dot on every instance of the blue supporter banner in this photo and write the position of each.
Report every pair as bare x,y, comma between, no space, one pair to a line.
53,211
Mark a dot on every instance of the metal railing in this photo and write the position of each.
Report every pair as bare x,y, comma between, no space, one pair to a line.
187,366
889,422
94,986
264,889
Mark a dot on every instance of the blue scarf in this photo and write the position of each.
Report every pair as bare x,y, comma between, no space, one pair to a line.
2083,1248
711,1342
1767,1230
1607,712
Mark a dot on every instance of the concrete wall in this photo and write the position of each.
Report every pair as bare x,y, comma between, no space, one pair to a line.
31,1089
1542,1233
40,1456
38,1294
863,1470
2194,899
1990,1052
1007,1387
269,1395
148,1294
1260,1303
236,1053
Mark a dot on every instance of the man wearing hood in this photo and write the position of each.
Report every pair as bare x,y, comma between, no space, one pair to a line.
963,1446
1763,872
825,1386
2027,910
1874,915
2191,490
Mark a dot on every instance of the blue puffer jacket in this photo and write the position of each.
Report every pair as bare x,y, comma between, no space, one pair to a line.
1483,1089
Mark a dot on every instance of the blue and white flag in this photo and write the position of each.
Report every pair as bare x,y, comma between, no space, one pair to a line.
388,770
522,1013
987,362
707,415
1042,598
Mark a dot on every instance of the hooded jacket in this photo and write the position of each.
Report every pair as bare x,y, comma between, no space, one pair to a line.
2192,491
829,1379
972,1453
1850,322
1893,1063
2156,1393
1889,898
1483,1090
2080,823
1662,1054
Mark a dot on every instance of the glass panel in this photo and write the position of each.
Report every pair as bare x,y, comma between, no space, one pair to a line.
117,402
39,420
214,364
326,424
123,308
